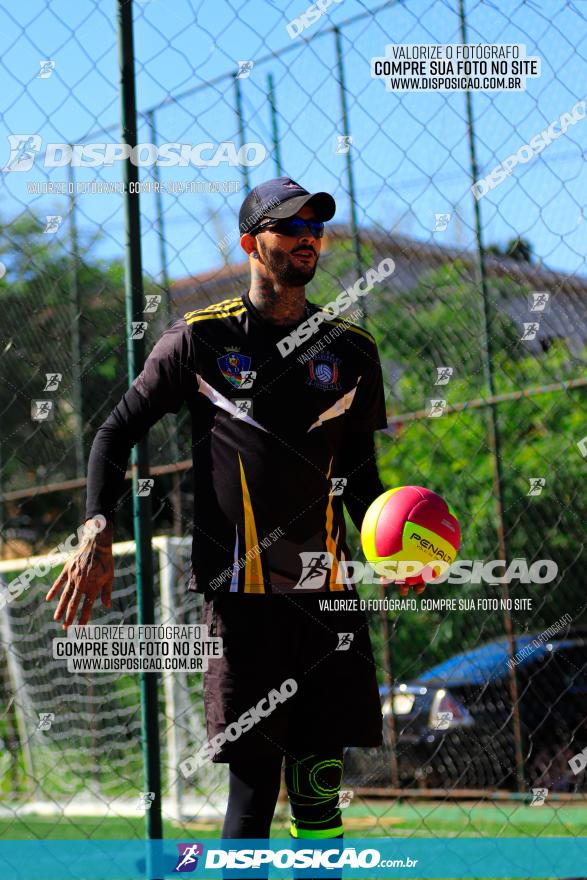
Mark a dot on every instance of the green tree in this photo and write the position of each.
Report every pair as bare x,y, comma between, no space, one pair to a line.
437,323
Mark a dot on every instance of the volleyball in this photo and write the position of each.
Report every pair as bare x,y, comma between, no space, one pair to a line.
410,535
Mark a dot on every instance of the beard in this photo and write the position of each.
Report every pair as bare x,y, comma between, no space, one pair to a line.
280,265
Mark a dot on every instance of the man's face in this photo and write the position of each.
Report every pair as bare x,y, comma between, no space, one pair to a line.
290,260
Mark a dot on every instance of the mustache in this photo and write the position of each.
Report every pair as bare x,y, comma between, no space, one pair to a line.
304,247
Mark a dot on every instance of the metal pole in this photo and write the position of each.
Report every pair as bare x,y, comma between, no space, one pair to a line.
74,317
175,684
169,304
76,386
164,276
133,285
274,128
493,427
349,163
241,127
389,680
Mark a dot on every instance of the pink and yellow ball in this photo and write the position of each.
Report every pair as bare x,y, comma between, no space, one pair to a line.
410,534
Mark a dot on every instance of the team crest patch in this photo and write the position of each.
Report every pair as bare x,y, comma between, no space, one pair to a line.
233,365
324,372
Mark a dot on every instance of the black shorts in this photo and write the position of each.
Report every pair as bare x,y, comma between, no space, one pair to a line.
269,640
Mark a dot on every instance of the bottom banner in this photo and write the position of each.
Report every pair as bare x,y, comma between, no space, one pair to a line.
520,857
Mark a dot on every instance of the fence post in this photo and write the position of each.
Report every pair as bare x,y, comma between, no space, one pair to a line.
389,680
164,274
76,386
241,127
169,304
493,427
174,682
134,297
349,164
274,127
75,341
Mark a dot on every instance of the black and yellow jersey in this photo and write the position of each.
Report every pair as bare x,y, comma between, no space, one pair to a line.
268,438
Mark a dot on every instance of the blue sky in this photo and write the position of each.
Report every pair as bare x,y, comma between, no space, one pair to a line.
410,151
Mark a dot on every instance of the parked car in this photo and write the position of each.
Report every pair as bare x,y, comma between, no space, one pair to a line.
454,722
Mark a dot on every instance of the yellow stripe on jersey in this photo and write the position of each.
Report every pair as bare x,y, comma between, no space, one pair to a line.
253,568
340,321
221,314
330,542
215,307
222,304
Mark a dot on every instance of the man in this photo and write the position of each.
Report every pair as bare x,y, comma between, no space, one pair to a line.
276,439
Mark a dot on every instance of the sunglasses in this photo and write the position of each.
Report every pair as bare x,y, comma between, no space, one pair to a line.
295,227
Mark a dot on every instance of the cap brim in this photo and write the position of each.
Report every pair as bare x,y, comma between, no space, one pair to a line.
322,202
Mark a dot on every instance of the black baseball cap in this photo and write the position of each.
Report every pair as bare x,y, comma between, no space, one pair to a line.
280,198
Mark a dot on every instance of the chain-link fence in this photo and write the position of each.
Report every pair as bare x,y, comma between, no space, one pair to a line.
476,196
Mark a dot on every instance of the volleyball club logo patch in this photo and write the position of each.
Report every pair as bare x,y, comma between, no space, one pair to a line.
233,365
324,372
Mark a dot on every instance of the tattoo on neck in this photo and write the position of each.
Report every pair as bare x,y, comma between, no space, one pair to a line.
282,306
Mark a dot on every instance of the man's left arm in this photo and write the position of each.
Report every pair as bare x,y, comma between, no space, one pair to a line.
366,414
359,466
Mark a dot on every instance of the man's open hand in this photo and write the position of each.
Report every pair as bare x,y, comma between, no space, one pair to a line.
87,574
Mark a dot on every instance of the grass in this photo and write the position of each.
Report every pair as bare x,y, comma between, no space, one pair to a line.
368,818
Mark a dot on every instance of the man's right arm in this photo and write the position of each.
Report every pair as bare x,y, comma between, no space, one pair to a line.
160,388
168,376
126,425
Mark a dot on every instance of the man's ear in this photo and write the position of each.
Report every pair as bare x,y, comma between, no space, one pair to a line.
248,243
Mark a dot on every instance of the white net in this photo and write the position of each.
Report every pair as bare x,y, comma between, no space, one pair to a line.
71,743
